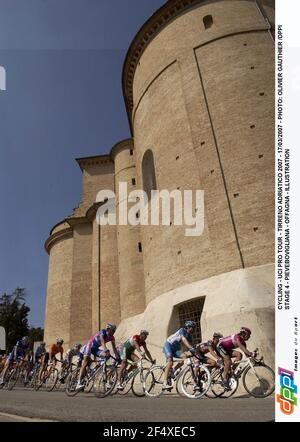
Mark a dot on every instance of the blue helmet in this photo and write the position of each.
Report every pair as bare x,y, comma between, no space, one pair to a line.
189,324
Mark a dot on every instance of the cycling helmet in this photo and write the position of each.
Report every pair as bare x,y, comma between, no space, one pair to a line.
111,326
43,344
246,330
217,335
59,341
25,339
77,346
189,324
144,332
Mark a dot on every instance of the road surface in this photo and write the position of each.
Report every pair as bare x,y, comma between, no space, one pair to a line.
56,406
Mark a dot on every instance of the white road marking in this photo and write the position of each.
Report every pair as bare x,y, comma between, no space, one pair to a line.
23,418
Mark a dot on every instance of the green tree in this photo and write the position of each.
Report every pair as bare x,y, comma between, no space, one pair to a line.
36,334
14,316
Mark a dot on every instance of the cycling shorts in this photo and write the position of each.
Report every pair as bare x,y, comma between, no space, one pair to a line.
171,352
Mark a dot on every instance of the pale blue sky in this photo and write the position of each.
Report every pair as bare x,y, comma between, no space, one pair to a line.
63,61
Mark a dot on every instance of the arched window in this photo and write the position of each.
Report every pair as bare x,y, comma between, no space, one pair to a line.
148,172
208,21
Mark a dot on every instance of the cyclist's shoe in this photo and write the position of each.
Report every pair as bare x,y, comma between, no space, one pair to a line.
226,384
2,381
166,386
119,386
79,386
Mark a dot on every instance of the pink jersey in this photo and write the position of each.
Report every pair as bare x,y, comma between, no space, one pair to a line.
231,342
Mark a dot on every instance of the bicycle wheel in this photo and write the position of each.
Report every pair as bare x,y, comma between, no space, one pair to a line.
61,379
209,392
259,381
137,384
153,381
51,379
33,378
105,382
89,385
195,386
72,383
219,390
13,378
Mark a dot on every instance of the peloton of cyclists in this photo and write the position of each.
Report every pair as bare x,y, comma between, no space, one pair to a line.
210,352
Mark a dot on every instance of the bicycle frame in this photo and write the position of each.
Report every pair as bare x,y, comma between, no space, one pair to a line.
244,363
137,369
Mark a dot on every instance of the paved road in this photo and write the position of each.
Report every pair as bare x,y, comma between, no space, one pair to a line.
6,417
56,406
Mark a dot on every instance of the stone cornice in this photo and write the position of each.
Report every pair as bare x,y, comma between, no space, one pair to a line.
160,19
62,234
92,161
71,221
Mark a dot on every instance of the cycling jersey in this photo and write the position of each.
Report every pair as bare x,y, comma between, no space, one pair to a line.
94,343
55,349
204,347
40,351
129,344
172,346
231,342
176,338
126,349
70,354
19,351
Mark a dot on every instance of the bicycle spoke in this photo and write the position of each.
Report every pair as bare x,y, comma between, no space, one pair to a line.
259,381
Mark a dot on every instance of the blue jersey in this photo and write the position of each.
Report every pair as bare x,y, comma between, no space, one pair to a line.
95,341
176,338
19,350
20,347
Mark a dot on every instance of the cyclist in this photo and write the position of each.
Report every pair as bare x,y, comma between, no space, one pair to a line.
96,346
53,350
127,352
226,349
208,347
39,353
81,355
70,354
172,348
20,350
